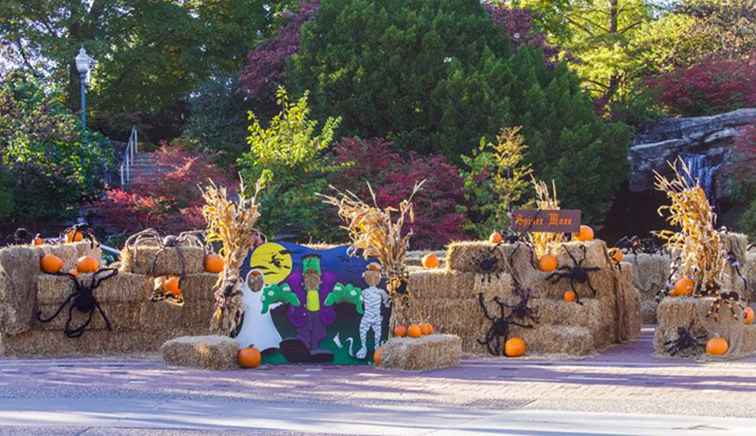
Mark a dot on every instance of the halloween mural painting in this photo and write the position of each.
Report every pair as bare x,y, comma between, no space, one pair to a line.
313,305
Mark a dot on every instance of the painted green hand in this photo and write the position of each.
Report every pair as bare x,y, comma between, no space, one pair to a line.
345,294
272,294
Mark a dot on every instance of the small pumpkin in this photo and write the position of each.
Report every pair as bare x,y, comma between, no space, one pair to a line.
87,264
430,261
495,238
547,263
569,296
717,346
74,236
683,287
426,328
414,331
214,263
171,286
50,263
249,357
400,331
377,356
39,240
748,315
515,347
585,234
617,255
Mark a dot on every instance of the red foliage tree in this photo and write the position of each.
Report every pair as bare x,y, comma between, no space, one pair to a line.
393,175
172,203
712,86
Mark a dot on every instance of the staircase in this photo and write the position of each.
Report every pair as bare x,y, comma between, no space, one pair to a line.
145,169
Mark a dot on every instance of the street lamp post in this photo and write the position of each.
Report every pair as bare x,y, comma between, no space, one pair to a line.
83,65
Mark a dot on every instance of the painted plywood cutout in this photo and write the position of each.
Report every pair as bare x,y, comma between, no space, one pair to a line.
310,305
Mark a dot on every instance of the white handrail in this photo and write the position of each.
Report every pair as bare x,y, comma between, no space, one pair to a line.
132,148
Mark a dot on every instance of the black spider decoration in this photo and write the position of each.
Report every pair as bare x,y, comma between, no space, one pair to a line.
71,234
83,300
20,237
576,273
685,341
499,326
489,262
522,310
635,245
731,299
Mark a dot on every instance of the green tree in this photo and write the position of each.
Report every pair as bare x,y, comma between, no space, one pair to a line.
438,75
47,159
150,54
497,179
290,153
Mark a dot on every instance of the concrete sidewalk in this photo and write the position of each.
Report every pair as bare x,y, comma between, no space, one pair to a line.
626,390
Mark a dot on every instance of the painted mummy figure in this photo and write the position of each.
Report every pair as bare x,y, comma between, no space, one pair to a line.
372,297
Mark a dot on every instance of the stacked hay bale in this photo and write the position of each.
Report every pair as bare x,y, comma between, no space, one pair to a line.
449,298
138,325
650,275
691,312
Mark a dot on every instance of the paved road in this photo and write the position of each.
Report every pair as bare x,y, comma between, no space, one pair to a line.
623,391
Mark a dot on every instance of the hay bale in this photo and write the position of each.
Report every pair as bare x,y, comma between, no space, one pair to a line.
461,256
595,254
209,352
557,312
491,285
557,339
429,284
51,343
750,273
194,287
122,316
749,339
139,260
415,258
122,288
691,312
736,244
193,316
422,354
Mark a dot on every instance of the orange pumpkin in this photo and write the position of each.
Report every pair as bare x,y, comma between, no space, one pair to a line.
171,286
214,263
547,263
400,331
495,238
426,329
569,296
39,240
617,255
51,263
377,356
74,236
430,261
515,347
87,264
249,357
748,315
683,287
717,346
414,331
584,234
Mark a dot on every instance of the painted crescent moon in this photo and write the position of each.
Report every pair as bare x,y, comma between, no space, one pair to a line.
274,260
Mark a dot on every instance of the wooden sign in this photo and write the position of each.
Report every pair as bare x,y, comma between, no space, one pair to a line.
547,221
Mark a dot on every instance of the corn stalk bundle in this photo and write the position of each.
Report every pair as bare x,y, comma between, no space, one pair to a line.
232,223
375,233
698,244
545,200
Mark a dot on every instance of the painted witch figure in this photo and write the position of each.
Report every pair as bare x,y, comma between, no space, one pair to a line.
373,298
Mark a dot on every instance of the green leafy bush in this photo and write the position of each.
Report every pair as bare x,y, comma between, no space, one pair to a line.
49,163
496,180
291,153
437,75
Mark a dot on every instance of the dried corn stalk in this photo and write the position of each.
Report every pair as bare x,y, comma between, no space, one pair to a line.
543,242
232,223
698,244
374,231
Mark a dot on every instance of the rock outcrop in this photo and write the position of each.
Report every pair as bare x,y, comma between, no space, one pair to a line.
706,142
